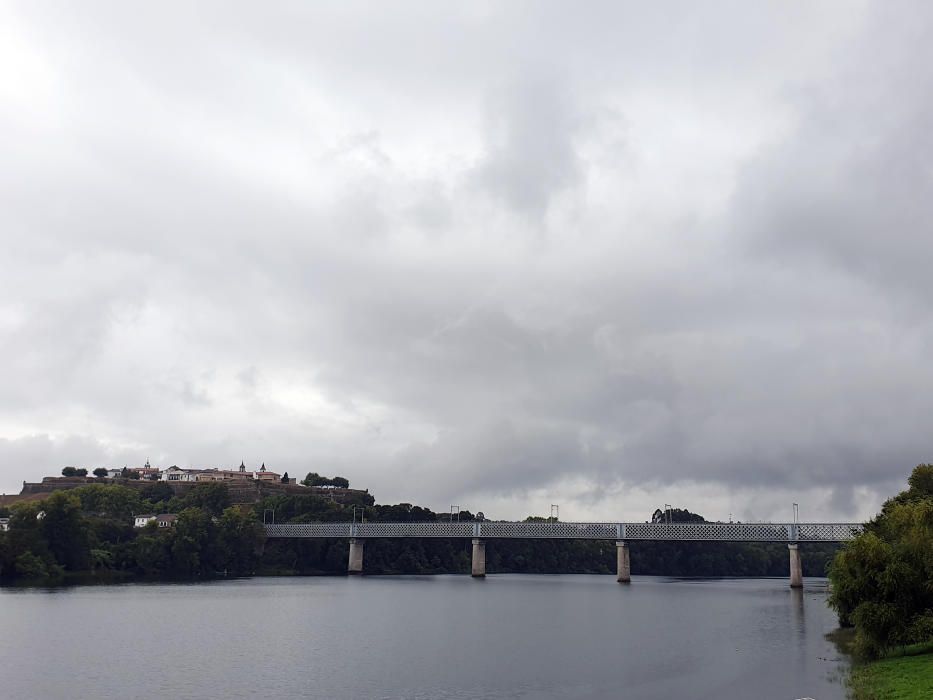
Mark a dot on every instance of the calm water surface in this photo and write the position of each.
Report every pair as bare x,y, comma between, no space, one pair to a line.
445,637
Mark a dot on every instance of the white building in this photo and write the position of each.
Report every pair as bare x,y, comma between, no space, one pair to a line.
177,474
142,520
161,520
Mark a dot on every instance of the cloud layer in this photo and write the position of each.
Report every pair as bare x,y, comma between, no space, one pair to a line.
498,256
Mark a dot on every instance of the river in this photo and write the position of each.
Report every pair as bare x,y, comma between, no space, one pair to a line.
438,637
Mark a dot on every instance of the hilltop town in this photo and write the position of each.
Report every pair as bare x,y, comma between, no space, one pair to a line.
245,484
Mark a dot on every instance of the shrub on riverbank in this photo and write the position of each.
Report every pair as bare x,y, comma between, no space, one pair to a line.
882,581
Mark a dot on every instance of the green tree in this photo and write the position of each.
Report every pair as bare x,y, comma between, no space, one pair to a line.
100,472
240,538
63,527
212,497
150,551
315,479
109,500
69,471
285,478
157,492
340,482
191,543
881,580
30,566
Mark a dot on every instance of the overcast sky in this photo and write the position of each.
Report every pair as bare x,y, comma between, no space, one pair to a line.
604,255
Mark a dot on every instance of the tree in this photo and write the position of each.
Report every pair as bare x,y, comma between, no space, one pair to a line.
340,482
920,481
239,541
100,472
212,497
109,500
69,471
285,478
65,531
191,539
159,492
881,579
676,515
81,472
315,479
30,566
133,475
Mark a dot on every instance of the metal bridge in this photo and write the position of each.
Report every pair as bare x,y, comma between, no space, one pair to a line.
791,534
700,532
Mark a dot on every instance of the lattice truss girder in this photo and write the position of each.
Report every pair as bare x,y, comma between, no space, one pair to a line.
709,532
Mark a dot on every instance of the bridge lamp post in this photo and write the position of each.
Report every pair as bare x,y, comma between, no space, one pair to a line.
452,513
795,514
361,509
667,511
268,510
555,512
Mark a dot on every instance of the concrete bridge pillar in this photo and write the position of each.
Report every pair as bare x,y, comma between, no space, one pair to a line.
478,567
623,563
796,568
355,564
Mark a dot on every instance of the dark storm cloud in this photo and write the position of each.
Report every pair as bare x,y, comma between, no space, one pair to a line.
498,255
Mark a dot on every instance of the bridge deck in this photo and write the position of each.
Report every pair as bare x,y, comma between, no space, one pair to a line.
705,532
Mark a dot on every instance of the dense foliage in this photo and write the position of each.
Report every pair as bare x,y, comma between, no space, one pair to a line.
315,479
883,580
88,531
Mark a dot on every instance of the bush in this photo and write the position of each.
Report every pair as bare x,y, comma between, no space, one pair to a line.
29,566
881,580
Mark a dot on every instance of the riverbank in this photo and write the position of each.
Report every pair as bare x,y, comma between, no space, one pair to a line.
904,675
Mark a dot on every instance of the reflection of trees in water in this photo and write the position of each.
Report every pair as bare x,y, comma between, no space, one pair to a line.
843,640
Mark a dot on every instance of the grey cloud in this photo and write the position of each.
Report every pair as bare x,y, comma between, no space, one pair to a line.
430,251
850,187
530,144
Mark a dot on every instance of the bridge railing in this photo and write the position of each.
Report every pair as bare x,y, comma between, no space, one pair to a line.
414,529
585,531
708,532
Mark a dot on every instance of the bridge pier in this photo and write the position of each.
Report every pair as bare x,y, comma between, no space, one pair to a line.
796,568
478,565
623,563
355,564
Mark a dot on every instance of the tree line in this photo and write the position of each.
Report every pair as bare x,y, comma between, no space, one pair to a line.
315,479
88,532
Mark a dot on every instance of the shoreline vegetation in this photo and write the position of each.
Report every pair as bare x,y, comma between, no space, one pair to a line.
87,534
882,586
902,674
